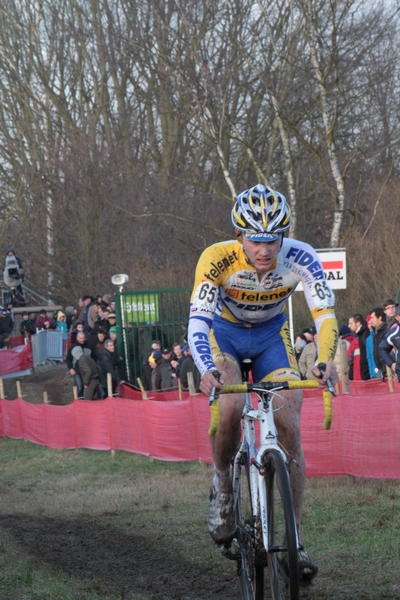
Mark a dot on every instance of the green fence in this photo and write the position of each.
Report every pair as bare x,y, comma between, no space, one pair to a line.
148,315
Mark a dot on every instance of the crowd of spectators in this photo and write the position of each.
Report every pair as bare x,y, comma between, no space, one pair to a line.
93,353
371,344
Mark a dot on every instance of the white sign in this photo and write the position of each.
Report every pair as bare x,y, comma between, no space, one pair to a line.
334,265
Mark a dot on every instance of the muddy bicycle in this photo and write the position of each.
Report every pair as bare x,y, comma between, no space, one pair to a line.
266,534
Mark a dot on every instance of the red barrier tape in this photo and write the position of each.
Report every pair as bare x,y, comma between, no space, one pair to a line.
364,440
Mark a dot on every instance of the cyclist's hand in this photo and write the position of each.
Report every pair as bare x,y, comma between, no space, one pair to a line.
208,381
330,373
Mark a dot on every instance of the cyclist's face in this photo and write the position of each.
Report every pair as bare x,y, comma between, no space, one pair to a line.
261,254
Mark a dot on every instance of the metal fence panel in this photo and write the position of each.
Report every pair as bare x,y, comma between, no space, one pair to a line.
146,316
46,345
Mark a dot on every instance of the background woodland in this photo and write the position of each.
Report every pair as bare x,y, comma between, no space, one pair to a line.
128,126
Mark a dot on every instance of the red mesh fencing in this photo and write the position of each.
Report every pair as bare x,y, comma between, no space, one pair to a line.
364,440
16,359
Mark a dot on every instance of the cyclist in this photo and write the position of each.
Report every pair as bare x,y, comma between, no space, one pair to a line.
236,312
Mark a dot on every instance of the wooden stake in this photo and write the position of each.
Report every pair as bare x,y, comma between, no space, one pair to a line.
109,385
179,389
192,390
19,393
390,378
75,392
1,388
144,393
45,398
112,453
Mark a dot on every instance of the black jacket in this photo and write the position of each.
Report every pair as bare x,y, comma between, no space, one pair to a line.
362,335
380,333
390,342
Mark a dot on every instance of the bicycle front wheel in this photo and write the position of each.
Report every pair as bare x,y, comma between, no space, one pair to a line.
282,557
250,572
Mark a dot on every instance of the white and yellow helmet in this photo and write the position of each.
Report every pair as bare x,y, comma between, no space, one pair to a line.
261,214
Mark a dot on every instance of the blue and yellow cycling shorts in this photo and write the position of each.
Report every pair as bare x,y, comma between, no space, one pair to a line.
268,345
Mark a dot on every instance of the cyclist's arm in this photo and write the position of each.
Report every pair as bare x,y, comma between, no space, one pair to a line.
203,304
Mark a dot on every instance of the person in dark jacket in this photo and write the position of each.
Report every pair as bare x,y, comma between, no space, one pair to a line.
389,348
6,322
72,364
360,329
378,322
188,366
89,372
27,325
107,365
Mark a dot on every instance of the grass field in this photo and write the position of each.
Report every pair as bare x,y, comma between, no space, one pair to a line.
83,525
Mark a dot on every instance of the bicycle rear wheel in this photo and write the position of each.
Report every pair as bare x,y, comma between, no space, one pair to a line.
250,573
283,568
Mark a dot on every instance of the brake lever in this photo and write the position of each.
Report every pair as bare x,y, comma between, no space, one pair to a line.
212,397
321,367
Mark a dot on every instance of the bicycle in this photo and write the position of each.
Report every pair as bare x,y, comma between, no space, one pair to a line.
266,533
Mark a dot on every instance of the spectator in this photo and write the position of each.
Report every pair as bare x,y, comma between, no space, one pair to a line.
43,319
176,351
298,347
86,302
308,357
13,276
107,365
6,322
360,329
389,307
4,338
188,366
61,325
27,326
78,327
89,372
390,343
369,344
69,313
92,314
378,322
95,341
112,320
74,319
345,338
167,381
308,333
102,319
71,361
155,361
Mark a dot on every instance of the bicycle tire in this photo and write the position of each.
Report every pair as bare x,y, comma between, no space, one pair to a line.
283,581
250,574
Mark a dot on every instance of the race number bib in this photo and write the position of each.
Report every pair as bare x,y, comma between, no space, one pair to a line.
322,294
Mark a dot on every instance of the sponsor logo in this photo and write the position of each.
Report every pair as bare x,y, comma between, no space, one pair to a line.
203,349
249,296
307,260
219,267
272,282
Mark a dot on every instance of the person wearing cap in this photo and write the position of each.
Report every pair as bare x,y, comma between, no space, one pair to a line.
27,326
155,360
298,347
89,372
237,311
389,347
167,381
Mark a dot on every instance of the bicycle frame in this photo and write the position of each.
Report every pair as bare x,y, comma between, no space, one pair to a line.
268,439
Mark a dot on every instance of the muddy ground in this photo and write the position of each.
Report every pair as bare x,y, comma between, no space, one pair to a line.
56,381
